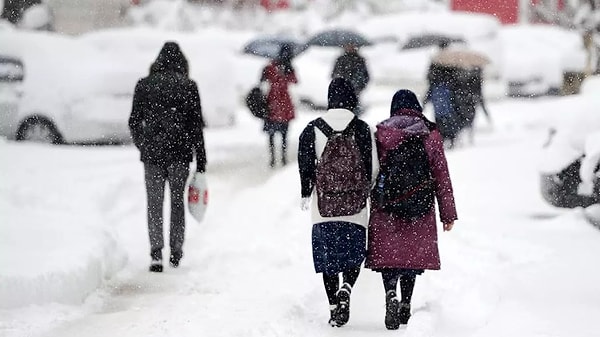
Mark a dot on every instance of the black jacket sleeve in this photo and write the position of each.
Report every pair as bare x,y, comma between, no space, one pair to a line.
307,160
365,145
136,119
197,126
364,74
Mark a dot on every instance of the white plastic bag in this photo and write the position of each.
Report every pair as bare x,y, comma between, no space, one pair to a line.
198,196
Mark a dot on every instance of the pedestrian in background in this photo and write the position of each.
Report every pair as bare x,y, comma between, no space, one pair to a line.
353,67
469,97
442,94
166,126
402,229
279,74
337,161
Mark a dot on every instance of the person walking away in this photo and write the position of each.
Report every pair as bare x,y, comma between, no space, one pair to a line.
353,67
279,74
166,126
402,228
337,161
442,93
468,98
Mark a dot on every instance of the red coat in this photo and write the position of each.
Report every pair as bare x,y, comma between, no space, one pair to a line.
400,243
281,108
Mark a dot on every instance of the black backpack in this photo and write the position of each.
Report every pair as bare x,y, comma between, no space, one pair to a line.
256,102
404,185
342,181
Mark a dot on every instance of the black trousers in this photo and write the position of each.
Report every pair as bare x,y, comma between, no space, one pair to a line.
156,176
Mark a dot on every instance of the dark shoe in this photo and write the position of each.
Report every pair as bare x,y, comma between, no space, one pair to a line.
392,314
404,313
343,311
333,315
175,258
156,266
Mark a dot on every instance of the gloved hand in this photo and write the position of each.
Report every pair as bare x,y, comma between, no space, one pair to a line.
305,204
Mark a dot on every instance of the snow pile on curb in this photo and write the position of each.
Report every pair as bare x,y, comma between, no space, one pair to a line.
54,244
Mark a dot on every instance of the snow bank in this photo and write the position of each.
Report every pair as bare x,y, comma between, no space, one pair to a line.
56,246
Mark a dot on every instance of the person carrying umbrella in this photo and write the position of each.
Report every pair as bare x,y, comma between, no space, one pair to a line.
279,73
353,67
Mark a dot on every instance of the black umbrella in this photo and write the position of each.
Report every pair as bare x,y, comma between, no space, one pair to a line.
428,40
338,38
269,46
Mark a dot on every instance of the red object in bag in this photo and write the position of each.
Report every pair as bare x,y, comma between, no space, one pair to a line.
198,196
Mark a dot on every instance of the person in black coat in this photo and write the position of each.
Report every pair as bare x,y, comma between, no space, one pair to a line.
352,67
469,96
166,126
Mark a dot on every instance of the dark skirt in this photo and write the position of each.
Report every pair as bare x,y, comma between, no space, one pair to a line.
338,246
272,127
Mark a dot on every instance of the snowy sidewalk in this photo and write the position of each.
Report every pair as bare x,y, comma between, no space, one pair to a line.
512,266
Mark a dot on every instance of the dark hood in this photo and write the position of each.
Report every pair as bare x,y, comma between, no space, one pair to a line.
394,130
404,100
341,95
170,58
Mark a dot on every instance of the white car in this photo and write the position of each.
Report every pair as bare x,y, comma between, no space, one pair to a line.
537,56
75,90
391,65
570,160
69,93
210,53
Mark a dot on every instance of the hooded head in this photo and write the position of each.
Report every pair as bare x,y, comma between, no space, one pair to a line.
171,58
404,100
286,53
406,121
341,95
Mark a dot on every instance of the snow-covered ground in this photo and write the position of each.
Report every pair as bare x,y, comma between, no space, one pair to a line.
72,216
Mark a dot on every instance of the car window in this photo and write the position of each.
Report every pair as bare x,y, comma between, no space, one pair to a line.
11,70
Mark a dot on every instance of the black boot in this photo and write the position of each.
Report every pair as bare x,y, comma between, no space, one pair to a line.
392,307
343,312
175,258
404,313
156,264
333,315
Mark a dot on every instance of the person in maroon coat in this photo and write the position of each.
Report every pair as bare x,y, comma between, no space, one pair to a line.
402,248
279,74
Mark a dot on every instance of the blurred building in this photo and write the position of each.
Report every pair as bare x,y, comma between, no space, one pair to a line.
78,16
66,16
514,11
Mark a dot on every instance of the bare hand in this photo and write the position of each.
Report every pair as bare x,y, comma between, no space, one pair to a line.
448,226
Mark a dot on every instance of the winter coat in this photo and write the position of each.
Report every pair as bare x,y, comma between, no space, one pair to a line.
166,119
311,146
281,107
352,67
394,242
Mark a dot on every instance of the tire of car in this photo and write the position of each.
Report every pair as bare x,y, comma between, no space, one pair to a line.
39,129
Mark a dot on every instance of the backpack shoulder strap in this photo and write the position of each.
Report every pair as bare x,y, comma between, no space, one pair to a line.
324,127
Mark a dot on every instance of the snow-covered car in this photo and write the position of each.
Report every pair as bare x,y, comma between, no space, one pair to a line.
390,64
570,166
76,91
69,93
210,53
537,56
